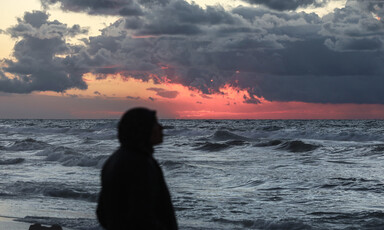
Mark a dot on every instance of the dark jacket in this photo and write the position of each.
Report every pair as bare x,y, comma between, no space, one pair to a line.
134,194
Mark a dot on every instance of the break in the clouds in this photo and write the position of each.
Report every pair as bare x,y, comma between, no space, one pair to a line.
37,64
273,53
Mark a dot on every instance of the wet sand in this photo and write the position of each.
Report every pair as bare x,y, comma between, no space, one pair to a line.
9,223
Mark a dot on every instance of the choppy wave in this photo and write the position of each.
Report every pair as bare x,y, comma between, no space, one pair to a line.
217,146
222,135
247,184
241,168
183,132
297,146
171,165
269,143
70,194
378,148
373,220
34,189
12,161
213,147
27,144
278,130
99,135
272,128
100,130
266,225
68,157
236,143
354,184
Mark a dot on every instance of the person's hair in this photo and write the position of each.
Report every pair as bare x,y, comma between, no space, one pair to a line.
135,127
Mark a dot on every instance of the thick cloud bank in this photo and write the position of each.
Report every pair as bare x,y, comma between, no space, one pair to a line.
36,66
279,55
98,7
288,4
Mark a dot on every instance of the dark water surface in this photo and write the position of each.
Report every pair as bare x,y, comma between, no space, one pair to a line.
223,174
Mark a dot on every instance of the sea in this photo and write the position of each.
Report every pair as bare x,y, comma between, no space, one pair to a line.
222,174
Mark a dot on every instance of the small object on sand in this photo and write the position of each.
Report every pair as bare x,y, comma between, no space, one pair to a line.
39,227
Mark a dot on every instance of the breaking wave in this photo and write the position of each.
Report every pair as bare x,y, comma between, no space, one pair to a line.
222,135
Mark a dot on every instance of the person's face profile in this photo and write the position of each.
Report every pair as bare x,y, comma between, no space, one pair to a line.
157,134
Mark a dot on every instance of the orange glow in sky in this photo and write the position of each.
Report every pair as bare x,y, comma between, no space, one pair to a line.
109,96
188,103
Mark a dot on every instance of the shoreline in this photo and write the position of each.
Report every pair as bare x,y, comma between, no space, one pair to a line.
12,223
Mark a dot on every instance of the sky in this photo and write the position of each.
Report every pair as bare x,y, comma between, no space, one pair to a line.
206,59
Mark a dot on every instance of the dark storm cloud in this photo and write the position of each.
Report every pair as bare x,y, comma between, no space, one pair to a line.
106,7
180,17
35,19
374,6
353,28
35,66
277,55
288,4
164,93
330,89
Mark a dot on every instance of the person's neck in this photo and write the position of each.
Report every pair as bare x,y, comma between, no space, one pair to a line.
146,149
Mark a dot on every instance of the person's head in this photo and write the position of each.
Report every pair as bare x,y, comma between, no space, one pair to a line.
139,128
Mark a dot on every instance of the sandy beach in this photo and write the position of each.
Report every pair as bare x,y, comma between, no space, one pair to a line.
9,223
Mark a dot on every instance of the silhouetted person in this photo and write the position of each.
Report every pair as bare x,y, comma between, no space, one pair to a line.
134,194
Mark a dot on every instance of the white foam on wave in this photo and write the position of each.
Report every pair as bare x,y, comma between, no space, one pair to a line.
68,157
26,144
